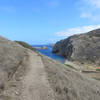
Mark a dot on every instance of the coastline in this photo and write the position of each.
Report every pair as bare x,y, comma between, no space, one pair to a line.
48,53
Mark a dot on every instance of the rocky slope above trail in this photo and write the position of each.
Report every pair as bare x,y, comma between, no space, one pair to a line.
84,48
27,75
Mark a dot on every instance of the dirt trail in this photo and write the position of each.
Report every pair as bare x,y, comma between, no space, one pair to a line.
35,83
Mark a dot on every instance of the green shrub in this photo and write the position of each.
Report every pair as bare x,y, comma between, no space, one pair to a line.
97,69
26,45
70,66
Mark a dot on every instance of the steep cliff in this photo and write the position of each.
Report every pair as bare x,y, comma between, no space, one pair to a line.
84,48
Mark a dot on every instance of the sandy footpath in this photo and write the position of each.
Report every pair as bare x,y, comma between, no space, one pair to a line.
35,83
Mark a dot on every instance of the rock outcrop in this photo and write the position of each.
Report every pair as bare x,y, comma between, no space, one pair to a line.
44,48
84,48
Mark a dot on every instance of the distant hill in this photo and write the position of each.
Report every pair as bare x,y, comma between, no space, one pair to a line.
84,48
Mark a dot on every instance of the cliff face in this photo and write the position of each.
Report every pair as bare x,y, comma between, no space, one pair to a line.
82,48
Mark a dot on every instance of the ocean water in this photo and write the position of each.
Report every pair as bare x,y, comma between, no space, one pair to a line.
48,52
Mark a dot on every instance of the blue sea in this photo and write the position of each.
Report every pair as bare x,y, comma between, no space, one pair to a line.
48,52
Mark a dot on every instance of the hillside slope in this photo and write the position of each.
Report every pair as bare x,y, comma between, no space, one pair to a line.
84,48
40,78
11,55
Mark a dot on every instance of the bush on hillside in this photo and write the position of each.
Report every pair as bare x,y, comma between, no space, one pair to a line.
26,45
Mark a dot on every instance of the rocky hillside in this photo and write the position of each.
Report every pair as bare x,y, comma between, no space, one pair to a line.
84,48
27,75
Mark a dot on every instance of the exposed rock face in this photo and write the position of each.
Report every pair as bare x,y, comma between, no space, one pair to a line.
82,48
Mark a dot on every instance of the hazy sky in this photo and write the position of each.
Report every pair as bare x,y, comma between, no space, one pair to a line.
47,21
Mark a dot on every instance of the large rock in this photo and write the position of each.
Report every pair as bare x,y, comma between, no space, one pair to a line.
84,48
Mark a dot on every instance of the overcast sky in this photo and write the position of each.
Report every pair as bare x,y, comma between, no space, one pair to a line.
47,21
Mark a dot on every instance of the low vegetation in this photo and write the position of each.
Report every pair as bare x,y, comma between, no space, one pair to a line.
26,45
70,66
